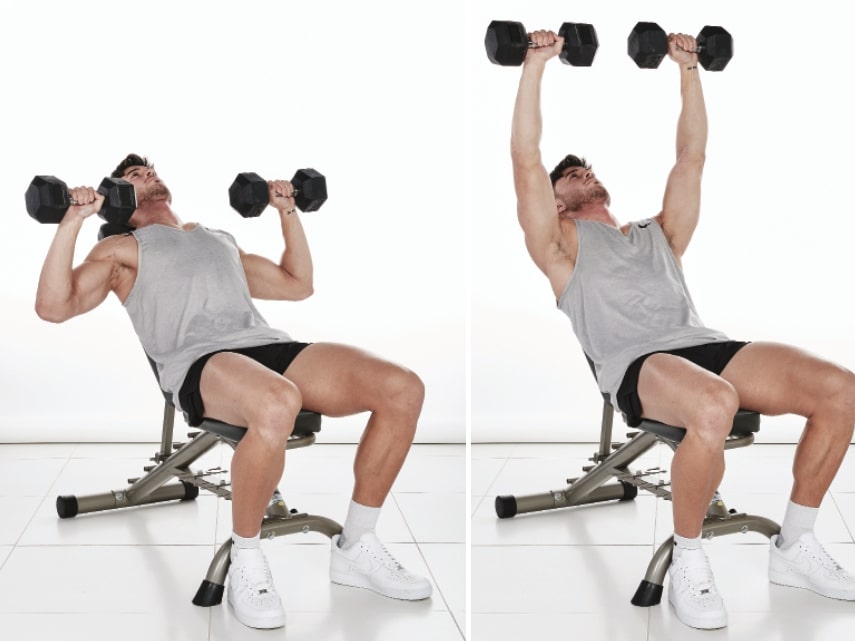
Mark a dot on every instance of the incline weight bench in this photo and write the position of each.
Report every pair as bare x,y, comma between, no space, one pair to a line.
612,461
172,462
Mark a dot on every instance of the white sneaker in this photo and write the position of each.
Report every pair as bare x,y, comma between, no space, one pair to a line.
806,564
367,564
251,592
692,592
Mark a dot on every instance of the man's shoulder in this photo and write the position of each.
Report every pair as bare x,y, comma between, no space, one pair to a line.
645,223
117,239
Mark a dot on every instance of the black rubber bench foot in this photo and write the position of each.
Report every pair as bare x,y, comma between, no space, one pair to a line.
647,594
629,491
66,506
506,507
190,491
208,594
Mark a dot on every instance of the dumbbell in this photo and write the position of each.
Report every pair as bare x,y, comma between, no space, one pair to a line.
249,194
507,43
48,199
647,45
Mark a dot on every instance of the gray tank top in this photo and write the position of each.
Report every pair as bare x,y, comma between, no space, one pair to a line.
191,298
627,297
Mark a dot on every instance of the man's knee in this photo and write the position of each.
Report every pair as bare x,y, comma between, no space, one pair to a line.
403,390
839,396
712,411
275,410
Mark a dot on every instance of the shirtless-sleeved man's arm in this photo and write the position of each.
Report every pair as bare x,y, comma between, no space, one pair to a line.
536,207
292,277
65,291
682,202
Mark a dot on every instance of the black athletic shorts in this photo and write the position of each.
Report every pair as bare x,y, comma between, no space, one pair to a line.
276,356
713,357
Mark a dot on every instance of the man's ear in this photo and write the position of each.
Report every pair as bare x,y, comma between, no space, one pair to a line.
560,206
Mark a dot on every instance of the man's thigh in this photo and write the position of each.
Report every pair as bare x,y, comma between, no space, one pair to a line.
774,379
340,380
669,388
234,386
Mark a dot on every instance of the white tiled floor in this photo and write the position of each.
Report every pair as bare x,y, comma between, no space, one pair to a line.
131,574
566,574
570,574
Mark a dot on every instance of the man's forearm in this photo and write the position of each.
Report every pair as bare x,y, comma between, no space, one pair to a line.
692,124
296,259
55,281
527,123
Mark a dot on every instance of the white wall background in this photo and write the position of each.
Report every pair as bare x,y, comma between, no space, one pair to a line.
418,254
359,91
771,259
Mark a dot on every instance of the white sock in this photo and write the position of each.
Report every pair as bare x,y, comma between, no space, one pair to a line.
682,543
360,519
245,543
798,519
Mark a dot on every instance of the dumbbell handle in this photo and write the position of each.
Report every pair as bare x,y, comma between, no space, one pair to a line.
73,202
296,192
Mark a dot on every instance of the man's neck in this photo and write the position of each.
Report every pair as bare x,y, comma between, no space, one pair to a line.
156,213
595,212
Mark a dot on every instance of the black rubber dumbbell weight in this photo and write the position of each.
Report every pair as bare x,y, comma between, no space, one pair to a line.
249,194
48,199
647,45
507,43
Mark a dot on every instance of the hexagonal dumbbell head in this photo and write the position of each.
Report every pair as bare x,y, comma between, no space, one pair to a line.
716,48
47,199
647,44
580,44
249,194
506,43
311,189
120,200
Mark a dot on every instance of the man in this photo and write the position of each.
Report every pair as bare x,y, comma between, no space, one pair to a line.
623,288
188,292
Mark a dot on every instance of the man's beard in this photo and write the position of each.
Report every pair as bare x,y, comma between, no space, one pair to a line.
157,191
595,194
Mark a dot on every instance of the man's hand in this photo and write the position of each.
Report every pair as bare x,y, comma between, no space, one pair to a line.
85,201
682,49
282,195
548,44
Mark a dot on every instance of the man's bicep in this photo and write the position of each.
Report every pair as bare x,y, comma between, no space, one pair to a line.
268,281
91,282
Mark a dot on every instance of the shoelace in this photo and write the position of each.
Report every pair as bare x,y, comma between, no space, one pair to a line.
257,575
828,562
698,575
386,559
258,582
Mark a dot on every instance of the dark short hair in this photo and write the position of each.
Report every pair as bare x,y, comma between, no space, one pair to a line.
131,160
569,161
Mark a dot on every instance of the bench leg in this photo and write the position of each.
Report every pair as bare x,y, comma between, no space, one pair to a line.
649,591
587,489
211,590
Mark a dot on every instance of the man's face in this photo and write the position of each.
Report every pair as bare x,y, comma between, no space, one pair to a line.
578,187
147,184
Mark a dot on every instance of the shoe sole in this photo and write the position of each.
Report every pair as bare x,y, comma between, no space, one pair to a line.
266,623
699,624
790,581
403,595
